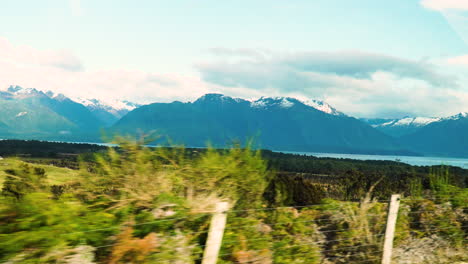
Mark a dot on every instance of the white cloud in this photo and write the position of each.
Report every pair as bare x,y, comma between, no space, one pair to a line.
441,5
61,71
137,86
381,86
358,83
26,55
296,69
459,60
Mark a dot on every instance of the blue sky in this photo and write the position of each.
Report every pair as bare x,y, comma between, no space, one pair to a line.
365,57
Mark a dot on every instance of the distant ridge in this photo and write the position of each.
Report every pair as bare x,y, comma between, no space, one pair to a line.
104,113
29,113
445,137
276,123
407,125
281,123
108,112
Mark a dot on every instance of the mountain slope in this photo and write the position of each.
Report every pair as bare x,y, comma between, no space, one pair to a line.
446,137
401,127
107,112
29,113
280,124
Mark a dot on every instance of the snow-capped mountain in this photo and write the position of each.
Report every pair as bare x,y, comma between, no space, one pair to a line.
458,116
14,91
281,123
110,105
29,110
108,111
408,125
409,121
445,137
270,102
322,106
287,102
34,114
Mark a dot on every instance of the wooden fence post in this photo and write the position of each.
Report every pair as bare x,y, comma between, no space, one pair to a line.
390,230
215,234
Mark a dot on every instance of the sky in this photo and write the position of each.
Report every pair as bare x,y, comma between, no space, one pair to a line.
367,58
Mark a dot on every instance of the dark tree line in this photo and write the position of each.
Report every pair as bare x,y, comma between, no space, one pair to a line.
348,179
301,179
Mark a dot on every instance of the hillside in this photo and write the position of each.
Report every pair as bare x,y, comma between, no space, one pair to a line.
278,123
447,137
107,112
30,113
402,126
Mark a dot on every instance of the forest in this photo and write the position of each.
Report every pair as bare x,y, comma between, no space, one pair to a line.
79,203
347,179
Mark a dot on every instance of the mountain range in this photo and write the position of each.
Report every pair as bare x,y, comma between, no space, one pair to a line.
435,136
28,113
107,112
402,126
277,123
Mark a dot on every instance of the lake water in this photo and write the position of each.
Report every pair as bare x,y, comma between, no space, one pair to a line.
412,160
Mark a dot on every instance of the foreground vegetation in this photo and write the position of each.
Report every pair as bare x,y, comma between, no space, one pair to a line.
135,204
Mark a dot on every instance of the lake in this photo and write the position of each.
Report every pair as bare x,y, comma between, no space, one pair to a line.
412,160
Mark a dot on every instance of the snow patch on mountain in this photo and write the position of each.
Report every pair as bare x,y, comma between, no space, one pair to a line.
322,106
20,91
21,114
258,104
216,97
107,110
457,116
287,102
410,121
117,105
110,104
418,121
265,102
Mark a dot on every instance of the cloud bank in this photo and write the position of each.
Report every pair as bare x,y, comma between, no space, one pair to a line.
61,71
25,55
356,82
314,68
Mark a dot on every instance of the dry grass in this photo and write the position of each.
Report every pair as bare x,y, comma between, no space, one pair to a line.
429,250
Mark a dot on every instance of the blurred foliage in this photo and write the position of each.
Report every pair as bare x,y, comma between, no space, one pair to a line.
140,204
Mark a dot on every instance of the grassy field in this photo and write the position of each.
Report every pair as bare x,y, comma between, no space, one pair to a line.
55,175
